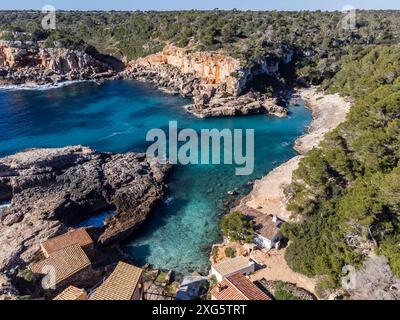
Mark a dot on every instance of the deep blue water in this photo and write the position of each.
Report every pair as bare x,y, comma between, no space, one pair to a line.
116,116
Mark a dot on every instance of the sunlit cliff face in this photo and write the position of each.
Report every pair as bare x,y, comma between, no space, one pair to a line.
213,68
60,60
210,67
6,56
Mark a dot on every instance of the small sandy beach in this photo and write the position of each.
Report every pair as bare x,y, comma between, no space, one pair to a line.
328,112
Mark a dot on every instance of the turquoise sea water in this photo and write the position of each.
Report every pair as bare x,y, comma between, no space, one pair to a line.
116,116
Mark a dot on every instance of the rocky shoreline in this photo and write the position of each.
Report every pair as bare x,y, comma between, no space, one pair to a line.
52,190
208,100
38,65
205,77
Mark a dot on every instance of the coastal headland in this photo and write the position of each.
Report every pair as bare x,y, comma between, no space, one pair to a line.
53,190
217,83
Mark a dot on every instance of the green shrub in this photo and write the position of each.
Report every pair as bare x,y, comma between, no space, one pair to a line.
281,294
230,252
235,226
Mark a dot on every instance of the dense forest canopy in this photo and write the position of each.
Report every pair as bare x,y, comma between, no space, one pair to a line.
349,189
317,36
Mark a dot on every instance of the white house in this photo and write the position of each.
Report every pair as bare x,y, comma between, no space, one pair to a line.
232,266
267,231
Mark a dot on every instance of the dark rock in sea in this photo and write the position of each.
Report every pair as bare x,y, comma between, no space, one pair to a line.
53,189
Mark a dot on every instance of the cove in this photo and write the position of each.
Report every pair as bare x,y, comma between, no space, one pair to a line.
115,117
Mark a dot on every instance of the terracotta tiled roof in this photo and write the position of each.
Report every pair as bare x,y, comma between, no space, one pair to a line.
72,293
77,236
231,265
66,262
120,285
237,287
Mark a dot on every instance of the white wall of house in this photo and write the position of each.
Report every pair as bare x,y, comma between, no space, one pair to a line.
262,242
267,243
246,270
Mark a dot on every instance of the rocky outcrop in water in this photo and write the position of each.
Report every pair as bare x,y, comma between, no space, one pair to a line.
36,64
52,189
247,104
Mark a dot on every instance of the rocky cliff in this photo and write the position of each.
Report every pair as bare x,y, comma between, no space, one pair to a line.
216,82
53,189
22,64
210,67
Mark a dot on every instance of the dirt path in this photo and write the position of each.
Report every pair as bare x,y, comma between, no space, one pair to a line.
277,270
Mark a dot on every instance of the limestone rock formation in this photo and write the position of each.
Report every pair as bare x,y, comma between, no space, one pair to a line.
37,64
7,290
214,81
375,281
53,189
247,104
210,67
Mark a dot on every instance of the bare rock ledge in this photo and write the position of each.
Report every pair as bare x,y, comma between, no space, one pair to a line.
53,189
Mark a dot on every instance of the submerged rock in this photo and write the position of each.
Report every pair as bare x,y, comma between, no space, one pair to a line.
52,189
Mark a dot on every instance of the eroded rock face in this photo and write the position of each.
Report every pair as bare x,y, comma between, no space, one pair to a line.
40,65
213,80
52,189
210,67
7,290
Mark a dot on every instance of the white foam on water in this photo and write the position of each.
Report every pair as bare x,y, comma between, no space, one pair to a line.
40,87
4,205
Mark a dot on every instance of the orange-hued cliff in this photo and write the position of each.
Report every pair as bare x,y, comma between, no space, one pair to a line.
7,58
21,63
210,67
